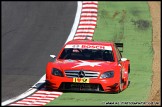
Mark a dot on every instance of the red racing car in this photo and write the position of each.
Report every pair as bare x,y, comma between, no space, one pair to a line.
84,65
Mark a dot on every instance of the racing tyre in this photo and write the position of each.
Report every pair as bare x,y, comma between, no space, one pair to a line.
128,75
120,84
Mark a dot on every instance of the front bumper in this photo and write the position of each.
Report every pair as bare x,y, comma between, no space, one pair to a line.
81,84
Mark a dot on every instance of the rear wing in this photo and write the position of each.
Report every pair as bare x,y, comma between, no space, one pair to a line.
120,46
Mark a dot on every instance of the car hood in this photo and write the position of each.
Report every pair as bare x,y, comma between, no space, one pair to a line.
85,65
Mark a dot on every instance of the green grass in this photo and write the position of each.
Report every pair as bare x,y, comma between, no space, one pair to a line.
129,23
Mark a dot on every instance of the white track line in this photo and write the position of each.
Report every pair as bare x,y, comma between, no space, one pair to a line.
89,10
88,14
91,2
86,27
49,92
90,5
88,18
76,22
81,38
87,22
84,31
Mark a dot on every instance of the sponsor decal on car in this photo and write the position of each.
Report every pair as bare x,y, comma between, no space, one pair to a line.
84,46
86,63
81,80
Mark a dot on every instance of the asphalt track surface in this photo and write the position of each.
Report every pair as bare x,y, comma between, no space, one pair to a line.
31,31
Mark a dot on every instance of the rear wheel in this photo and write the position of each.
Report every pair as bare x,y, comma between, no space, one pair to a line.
120,84
128,75
127,82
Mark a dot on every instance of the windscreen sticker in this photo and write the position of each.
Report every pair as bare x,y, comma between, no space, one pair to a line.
84,46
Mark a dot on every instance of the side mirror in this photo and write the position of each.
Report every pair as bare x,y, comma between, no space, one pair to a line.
53,56
123,59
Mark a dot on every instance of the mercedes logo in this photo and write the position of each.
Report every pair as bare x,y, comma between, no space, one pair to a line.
81,74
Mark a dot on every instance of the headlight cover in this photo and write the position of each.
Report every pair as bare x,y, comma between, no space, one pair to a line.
57,72
108,74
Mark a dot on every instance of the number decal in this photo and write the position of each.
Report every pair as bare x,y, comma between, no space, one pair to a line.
81,80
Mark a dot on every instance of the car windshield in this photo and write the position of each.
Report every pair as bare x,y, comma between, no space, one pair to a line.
87,54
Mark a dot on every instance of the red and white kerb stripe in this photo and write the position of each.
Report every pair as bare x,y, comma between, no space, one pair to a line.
88,20
39,98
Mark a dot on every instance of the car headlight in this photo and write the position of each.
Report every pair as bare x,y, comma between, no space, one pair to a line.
57,72
108,74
